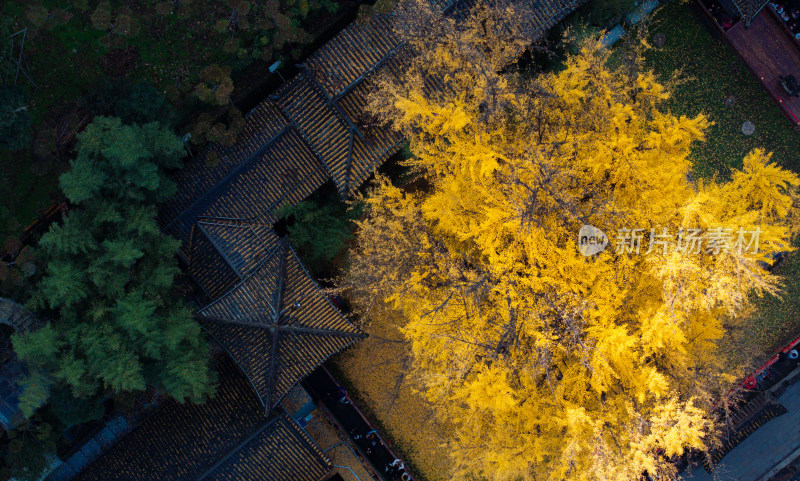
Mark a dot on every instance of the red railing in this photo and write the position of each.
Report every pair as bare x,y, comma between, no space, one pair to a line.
751,381
775,96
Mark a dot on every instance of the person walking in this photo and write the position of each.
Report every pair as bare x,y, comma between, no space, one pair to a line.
343,397
394,467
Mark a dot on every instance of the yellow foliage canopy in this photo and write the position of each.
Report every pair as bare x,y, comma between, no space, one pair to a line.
552,364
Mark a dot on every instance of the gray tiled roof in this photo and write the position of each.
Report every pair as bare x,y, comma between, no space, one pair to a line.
309,131
230,433
279,451
277,325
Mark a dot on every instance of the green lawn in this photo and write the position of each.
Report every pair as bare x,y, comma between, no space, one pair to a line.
713,71
775,320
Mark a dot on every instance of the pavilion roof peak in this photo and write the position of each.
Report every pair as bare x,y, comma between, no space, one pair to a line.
277,324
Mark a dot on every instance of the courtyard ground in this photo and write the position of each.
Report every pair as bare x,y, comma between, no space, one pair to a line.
718,84
374,373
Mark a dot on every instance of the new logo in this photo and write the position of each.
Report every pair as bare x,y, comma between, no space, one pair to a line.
591,240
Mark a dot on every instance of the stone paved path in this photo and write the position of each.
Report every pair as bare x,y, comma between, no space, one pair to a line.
350,419
753,459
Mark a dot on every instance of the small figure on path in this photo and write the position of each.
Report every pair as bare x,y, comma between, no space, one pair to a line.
374,442
343,397
372,437
395,467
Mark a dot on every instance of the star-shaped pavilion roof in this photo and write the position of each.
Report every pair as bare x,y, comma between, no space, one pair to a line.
277,324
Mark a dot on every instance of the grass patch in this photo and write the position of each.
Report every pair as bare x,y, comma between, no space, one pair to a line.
714,72
775,320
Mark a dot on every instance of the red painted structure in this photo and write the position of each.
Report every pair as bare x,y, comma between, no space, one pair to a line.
768,50
750,381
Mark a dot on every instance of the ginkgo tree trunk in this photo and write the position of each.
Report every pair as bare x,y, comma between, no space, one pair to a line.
552,364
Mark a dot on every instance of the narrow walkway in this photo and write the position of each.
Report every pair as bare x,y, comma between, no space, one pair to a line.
337,448
370,444
769,52
765,451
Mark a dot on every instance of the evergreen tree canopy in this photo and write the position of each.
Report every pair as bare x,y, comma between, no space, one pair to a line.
116,324
320,228
133,103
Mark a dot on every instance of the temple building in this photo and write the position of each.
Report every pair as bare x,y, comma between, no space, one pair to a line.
259,304
277,325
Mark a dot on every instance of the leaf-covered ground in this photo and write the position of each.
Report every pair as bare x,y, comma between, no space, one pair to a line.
374,373
713,72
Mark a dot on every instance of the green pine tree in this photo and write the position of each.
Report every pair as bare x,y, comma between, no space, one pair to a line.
109,272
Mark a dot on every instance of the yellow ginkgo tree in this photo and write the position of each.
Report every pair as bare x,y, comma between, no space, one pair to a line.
552,364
